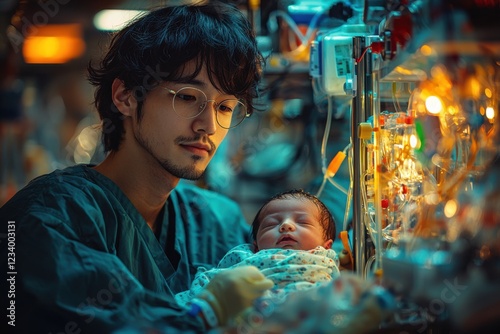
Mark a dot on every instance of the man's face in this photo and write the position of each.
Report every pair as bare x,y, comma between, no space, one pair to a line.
290,223
182,147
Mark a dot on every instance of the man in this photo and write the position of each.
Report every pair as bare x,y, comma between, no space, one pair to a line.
92,249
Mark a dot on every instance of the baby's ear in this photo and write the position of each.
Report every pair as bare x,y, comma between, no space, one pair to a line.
328,244
255,248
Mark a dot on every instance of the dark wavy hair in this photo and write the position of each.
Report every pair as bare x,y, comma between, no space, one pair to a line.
156,47
326,219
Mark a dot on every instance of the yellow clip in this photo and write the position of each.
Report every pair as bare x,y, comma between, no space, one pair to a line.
365,130
344,237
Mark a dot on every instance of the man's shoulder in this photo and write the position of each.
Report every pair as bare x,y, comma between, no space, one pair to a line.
46,190
69,179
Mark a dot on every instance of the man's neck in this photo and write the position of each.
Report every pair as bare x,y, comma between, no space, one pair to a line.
147,186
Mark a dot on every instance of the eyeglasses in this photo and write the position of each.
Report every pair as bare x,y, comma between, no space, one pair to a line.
189,102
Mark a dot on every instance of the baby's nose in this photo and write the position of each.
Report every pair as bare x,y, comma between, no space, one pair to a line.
287,225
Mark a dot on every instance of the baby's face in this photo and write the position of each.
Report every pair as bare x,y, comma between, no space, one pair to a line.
292,224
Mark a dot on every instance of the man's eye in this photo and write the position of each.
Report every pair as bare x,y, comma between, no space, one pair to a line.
185,97
225,109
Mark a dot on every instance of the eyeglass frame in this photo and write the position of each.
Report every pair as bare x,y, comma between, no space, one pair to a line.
174,93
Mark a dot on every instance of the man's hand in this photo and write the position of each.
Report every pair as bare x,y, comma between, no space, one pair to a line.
233,290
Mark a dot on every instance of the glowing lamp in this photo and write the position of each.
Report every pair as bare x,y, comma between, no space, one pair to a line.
114,19
54,44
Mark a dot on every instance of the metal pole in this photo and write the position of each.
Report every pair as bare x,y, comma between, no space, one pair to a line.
358,115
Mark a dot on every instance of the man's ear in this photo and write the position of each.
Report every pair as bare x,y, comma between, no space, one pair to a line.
123,98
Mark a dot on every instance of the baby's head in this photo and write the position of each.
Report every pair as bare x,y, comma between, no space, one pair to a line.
293,219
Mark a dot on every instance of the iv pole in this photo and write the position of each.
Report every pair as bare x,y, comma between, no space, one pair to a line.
364,104
358,115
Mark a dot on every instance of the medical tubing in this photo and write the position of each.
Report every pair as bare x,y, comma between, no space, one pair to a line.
321,187
349,191
326,134
336,185
365,132
324,142
332,170
335,165
364,196
377,157
395,100
336,161
368,266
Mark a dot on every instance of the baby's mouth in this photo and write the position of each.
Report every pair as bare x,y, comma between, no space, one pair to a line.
286,239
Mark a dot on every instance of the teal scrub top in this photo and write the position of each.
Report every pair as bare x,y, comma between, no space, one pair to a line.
87,262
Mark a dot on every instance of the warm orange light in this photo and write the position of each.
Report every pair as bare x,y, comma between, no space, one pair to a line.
488,92
490,113
426,50
54,44
433,105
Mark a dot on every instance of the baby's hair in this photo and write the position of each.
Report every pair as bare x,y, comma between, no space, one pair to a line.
326,219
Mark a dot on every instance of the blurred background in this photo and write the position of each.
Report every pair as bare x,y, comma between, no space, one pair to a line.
48,121
406,90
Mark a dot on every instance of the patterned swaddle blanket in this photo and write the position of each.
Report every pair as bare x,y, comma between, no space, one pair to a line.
289,269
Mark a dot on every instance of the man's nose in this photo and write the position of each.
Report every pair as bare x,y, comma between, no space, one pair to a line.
207,121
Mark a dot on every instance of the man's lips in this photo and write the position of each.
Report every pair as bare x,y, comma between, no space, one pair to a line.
197,148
